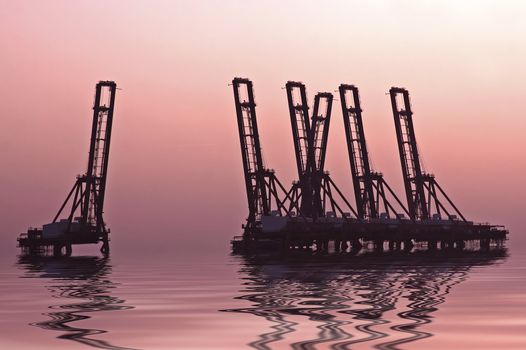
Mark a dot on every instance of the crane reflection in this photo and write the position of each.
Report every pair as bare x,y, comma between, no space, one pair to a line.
82,286
376,301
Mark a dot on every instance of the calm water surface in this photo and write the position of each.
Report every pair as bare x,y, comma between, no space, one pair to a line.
422,301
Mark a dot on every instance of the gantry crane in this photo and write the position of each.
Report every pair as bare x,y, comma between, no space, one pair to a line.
369,187
264,190
315,191
311,214
422,190
84,222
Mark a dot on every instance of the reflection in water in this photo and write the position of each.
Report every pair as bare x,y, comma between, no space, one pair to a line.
382,301
83,280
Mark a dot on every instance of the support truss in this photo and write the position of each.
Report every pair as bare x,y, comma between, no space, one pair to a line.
86,198
371,191
315,190
425,198
264,190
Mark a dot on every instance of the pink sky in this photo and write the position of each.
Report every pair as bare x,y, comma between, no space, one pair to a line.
175,167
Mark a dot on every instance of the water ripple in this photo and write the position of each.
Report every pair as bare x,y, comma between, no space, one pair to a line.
382,301
83,279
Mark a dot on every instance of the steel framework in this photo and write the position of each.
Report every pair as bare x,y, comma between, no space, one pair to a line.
89,189
84,222
272,222
262,186
422,190
370,188
315,191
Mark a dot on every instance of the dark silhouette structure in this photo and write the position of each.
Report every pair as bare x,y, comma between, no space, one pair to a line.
313,212
422,190
83,222
264,190
315,192
370,188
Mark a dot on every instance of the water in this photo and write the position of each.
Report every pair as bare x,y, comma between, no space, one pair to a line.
468,301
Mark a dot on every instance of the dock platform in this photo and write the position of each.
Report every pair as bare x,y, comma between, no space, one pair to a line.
353,236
